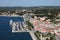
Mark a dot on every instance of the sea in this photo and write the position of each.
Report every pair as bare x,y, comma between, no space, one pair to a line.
6,30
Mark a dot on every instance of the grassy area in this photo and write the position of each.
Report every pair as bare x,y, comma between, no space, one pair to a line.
37,34
53,37
45,35
29,25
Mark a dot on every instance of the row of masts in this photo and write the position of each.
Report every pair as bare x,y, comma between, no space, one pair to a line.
17,26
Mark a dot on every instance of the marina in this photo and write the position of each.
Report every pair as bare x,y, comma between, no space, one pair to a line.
6,30
17,26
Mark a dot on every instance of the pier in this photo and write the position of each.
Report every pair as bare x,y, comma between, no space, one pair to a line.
17,26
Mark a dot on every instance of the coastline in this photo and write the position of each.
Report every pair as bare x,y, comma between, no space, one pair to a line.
11,16
30,32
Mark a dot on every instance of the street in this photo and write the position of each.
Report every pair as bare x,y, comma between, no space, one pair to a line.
57,37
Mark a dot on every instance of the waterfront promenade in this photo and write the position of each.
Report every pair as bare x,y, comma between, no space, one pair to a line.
32,34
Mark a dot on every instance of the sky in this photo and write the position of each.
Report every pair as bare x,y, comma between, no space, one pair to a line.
29,3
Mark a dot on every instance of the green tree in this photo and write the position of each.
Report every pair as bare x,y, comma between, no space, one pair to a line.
30,25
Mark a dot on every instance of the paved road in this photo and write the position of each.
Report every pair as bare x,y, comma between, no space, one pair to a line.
32,34
57,37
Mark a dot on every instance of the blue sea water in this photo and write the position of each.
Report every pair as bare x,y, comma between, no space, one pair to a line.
6,32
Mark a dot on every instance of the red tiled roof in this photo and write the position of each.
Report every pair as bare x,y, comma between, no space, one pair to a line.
35,23
58,32
58,27
37,28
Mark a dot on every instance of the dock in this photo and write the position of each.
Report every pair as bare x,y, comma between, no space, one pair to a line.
17,26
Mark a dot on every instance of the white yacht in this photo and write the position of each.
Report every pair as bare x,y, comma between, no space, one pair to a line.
11,22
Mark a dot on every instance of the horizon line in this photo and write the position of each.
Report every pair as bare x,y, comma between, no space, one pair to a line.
29,6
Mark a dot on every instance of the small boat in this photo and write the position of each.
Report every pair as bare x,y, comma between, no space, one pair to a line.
11,22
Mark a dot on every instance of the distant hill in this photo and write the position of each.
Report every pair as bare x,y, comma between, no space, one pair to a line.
15,8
